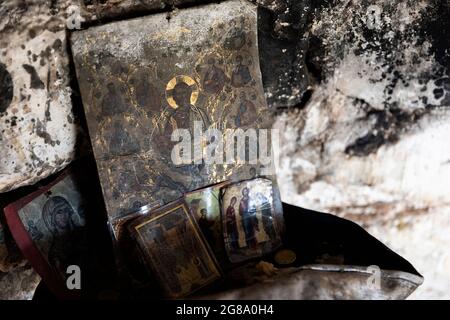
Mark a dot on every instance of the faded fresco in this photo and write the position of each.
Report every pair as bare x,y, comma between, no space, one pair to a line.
10,255
143,78
19,284
204,205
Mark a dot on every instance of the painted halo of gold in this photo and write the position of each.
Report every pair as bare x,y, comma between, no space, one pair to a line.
178,79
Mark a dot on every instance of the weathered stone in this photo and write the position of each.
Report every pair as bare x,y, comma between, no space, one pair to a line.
94,10
19,284
142,79
372,142
38,133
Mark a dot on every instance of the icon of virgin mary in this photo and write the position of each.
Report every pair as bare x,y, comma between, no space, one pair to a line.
65,226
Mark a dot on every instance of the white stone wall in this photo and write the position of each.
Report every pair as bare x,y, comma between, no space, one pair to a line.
372,143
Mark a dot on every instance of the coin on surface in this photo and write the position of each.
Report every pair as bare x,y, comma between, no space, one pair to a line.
285,256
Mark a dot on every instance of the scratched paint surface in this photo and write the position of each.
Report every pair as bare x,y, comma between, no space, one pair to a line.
140,79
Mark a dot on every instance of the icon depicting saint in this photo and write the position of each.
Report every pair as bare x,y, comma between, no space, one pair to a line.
249,219
231,224
241,74
214,78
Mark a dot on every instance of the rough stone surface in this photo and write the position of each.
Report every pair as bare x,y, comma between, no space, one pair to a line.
325,282
128,72
371,144
10,256
19,284
38,132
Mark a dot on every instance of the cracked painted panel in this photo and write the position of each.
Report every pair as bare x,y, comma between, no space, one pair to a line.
140,79
38,133
56,223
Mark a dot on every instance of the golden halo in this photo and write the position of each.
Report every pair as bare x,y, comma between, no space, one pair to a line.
178,79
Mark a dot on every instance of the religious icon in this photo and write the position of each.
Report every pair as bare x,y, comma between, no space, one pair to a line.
252,219
64,224
205,207
175,250
241,74
135,100
128,261
121,142
49,227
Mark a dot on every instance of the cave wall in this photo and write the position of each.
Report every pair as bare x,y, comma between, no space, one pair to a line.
371,143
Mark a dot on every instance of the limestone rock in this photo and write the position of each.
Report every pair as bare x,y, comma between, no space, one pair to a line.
38,131
19,284
371,144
